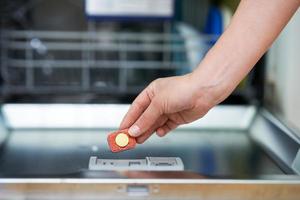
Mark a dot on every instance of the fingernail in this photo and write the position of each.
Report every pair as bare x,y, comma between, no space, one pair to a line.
134,131
160,132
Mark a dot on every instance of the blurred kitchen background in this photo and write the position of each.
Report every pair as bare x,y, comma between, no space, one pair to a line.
107,51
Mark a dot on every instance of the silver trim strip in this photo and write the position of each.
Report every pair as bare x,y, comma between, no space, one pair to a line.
148,181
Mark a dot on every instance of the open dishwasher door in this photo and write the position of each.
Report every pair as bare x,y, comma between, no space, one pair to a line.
234,152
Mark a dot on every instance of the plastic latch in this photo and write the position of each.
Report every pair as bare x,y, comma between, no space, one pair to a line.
138,190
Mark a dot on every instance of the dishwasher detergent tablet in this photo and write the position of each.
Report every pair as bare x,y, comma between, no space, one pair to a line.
120,141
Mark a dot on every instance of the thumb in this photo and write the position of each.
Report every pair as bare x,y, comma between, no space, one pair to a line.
147,119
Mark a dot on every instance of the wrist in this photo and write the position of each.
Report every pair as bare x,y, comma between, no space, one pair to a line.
214,80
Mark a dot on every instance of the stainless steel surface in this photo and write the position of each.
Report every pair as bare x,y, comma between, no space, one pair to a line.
296,162
230,158
65,153
281,143
210,150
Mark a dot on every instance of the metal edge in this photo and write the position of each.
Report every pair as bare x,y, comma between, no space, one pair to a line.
279,142
144,181
296,162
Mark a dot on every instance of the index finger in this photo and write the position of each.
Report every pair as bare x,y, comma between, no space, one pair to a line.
138,106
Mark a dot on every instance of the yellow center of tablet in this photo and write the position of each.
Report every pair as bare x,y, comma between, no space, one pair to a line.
122,140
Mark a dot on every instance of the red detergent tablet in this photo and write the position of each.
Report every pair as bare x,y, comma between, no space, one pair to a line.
120,141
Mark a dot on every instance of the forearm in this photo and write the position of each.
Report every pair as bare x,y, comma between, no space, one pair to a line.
254,27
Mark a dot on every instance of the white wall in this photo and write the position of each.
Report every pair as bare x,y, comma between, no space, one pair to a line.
284,70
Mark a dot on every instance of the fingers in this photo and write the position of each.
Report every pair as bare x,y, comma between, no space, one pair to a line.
138,106
141,139
161,130
166,128
147,119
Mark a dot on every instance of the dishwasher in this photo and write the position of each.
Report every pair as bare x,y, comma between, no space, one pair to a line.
234,152
237,151
65,87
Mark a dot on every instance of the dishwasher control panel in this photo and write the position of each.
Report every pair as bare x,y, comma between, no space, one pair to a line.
147,164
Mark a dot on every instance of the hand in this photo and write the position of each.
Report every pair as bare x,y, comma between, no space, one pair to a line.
169,102
165,104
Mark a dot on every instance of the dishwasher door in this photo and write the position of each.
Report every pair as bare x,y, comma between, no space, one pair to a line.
232,153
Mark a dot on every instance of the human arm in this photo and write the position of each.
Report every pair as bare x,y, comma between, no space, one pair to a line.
169,102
